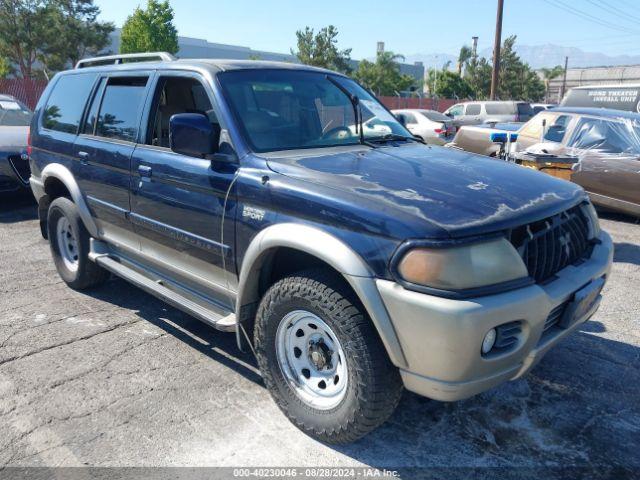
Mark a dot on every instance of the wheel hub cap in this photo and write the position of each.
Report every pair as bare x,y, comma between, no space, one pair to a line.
311,359
320,355
67,244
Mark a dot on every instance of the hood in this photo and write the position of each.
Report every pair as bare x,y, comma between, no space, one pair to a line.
12,138
461,193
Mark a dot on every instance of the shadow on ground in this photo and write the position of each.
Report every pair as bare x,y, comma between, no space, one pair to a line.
17,207
626,253
579,407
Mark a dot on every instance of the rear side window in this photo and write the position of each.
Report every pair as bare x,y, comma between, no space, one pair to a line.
499,108
119,115
65,105
525,111
473,109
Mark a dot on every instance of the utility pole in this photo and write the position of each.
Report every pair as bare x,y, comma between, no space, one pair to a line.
564,79
495,74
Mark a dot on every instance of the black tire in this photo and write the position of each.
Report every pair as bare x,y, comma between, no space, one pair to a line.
87,274
374,386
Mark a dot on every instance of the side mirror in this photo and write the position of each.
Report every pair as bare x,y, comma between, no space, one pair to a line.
449,114
402,120
193,134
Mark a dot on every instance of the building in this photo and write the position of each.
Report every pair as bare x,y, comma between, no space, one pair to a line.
594,76
199,48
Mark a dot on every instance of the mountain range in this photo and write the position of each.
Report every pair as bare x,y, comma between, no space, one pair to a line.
538,56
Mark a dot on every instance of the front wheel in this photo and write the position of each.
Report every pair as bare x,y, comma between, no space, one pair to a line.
70,243
322,359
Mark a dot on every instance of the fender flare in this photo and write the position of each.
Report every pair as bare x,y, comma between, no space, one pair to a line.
62,173
330,250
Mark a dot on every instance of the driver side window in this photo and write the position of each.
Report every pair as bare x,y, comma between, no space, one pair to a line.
176,95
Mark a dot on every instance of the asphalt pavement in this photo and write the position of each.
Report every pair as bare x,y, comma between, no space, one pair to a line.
115,377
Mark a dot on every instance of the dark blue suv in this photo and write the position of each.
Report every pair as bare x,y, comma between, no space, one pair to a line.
286,204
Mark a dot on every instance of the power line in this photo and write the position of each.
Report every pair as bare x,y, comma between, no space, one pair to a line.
588,17
609,8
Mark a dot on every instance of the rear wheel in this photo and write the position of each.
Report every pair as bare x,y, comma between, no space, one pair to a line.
322,359
70,243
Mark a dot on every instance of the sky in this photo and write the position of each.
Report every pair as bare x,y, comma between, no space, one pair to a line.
427,26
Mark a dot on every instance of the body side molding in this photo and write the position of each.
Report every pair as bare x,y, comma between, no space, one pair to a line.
332,251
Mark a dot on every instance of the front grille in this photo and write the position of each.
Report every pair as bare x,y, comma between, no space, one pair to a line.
549,245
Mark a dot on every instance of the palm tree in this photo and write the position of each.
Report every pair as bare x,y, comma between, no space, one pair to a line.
549,74
465,55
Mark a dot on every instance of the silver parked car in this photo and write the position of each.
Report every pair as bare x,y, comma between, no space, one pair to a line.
433,127
14,129
475,113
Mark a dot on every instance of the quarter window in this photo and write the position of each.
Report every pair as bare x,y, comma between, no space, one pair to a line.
499,108
64,107
119,116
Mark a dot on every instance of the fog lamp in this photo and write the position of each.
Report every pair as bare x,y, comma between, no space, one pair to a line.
489,341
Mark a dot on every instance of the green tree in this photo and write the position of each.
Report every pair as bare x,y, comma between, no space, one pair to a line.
51,32
22,32
5,67
150,30
448,84
78,34
321,49
383,76
463,58
478,76
549,74
517,80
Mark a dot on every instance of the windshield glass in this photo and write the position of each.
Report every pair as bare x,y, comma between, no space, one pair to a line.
14,114
284,109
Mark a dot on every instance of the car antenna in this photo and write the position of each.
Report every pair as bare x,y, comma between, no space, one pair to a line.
357,108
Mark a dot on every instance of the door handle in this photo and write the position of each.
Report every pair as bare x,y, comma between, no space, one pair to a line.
84,157
144,171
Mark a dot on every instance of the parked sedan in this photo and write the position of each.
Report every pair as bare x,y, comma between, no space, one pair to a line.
605,143
431,126
14,129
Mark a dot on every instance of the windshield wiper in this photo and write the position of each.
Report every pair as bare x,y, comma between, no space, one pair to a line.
394,136
357,108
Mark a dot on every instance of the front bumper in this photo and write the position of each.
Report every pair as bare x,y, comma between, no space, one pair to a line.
441,338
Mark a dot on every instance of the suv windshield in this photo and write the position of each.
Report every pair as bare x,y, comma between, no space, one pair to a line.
14,114
284,109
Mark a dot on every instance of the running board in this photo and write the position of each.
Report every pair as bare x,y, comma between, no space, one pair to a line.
225,323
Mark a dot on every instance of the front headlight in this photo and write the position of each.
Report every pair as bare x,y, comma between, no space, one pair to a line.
463,267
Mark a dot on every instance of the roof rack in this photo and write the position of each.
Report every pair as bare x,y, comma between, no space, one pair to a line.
125,58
